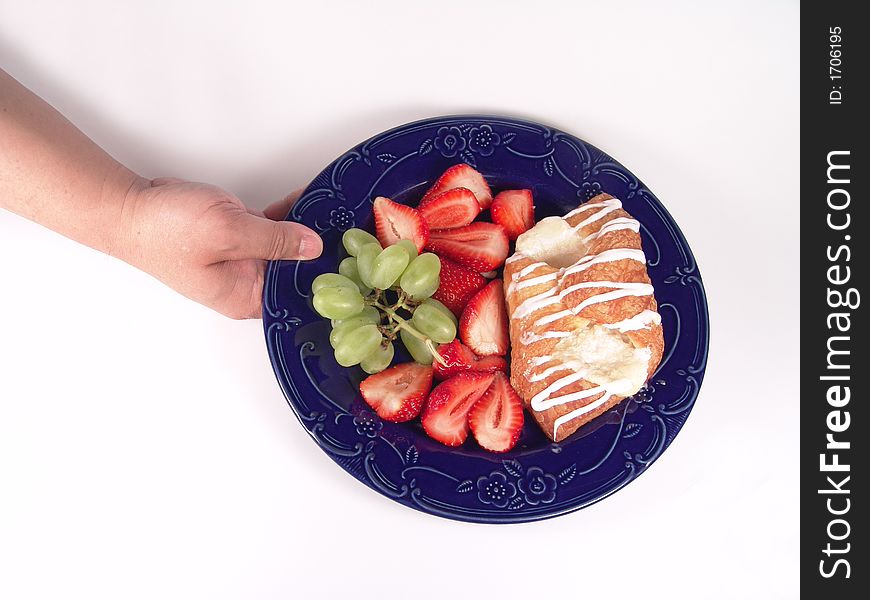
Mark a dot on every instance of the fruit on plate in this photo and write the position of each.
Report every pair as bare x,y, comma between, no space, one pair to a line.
394,222
434,324
397,394
483,326
382,294
454,208
496,419
457,358
445,416
462,175
480,246
514,210
390,289
422,277
457,285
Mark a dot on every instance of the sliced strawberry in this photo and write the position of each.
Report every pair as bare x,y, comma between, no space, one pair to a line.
479,246
394,222
397,394
460,358
484,322
457,358
450,209
490,364
445,417
462,176
514,211
458,285
496,420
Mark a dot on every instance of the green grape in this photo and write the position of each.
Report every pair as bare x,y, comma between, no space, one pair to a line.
410,247
365,262
327,280
436,304
434,324
388,267
369,313
347,325
421,278
349,269
357,344
378,360
354,239
338,302
416,348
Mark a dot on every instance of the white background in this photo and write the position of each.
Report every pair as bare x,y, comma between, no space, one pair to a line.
145,448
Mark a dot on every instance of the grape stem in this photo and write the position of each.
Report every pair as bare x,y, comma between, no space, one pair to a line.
402,323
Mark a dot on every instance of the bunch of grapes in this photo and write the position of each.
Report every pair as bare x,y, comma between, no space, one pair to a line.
380,294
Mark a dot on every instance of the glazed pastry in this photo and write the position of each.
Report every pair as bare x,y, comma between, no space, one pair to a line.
584,327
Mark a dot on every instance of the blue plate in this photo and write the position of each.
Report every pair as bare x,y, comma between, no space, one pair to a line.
537,479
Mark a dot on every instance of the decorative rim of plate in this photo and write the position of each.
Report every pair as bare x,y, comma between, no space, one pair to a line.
361,444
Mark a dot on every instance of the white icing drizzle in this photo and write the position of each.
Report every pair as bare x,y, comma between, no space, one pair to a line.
539,360
530,269
642,320
605,257
544,400
534,303
536,280
579,411
530,338
614,225
608,207
517,256
549,371
552,317
626,289
587,206
539,301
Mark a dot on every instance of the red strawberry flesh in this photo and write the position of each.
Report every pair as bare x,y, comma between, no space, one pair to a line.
483,326
445,417
397,393
462,175
460,358
454,208
458,285
479,246
394,222
514,211
496,419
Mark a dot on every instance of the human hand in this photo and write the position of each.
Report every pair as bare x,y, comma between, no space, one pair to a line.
204,243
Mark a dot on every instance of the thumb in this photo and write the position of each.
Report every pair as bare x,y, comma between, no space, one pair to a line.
275,240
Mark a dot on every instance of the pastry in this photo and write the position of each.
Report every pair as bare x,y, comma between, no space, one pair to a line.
584,328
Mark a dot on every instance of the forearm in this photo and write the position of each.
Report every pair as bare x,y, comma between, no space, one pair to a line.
53,174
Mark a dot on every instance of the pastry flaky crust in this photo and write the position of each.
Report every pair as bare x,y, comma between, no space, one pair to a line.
528,338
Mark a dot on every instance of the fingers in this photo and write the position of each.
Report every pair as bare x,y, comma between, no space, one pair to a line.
275,240
165,181
277,211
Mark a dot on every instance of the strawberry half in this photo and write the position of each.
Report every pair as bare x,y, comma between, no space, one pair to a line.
460,358
514,211
445,417
479,246
394,222
397,393
458,285
462,176
484,322
496,420
450,209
